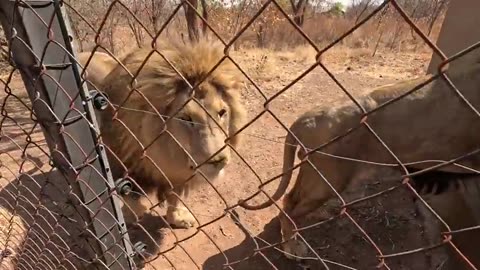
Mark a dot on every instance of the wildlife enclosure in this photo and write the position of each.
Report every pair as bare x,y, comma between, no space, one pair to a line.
60,206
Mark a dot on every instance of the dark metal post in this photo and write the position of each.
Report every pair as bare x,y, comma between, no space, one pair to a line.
42,48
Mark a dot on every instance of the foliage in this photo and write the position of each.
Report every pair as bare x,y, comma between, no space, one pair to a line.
322,20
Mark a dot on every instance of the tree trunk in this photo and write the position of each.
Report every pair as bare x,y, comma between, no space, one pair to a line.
111,43
261,40
365,7
433,18
137,32
299,10
191,17
76,32
154,17
205,16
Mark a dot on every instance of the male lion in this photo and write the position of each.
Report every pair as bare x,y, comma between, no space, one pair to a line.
432,123
161,155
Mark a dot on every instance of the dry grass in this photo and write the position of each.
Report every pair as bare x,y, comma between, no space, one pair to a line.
386,31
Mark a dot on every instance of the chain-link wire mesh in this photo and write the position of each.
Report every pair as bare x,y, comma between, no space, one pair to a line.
61,196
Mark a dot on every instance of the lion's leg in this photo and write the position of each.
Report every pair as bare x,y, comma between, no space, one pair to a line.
177,214
133,209
308,193
292,246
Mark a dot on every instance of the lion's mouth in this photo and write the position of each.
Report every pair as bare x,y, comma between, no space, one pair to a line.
213,166
218,165
210,169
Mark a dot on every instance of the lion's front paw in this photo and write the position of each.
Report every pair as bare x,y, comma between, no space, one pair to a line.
180,217
295,249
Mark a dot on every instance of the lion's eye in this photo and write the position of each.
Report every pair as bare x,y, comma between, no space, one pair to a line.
187,119
222,113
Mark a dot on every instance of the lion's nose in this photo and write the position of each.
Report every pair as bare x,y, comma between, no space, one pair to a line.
218,160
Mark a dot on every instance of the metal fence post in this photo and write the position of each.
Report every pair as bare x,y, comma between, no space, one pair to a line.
42,48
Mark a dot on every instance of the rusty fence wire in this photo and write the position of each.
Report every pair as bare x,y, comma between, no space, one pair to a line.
60,201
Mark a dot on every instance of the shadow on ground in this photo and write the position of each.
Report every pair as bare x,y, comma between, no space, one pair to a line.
52,234
392,224
269,258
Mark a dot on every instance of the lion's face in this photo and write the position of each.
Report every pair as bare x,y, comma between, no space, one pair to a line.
200,133
198,130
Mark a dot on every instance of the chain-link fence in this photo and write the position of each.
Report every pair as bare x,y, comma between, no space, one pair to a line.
170,121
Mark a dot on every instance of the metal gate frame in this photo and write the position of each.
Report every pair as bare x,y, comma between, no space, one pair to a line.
42,48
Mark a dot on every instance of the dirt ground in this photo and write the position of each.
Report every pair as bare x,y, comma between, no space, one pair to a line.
391,221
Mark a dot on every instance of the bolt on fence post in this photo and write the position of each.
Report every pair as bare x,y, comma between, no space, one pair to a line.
40,41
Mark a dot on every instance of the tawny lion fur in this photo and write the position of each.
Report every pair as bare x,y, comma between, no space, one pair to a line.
432,123
157,162
97,68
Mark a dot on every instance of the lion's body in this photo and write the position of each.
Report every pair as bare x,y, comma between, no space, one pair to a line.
159,156
432,123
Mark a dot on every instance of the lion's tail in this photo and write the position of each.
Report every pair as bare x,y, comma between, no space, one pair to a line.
289,150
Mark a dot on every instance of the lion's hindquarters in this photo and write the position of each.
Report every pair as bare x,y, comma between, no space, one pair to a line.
417,127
